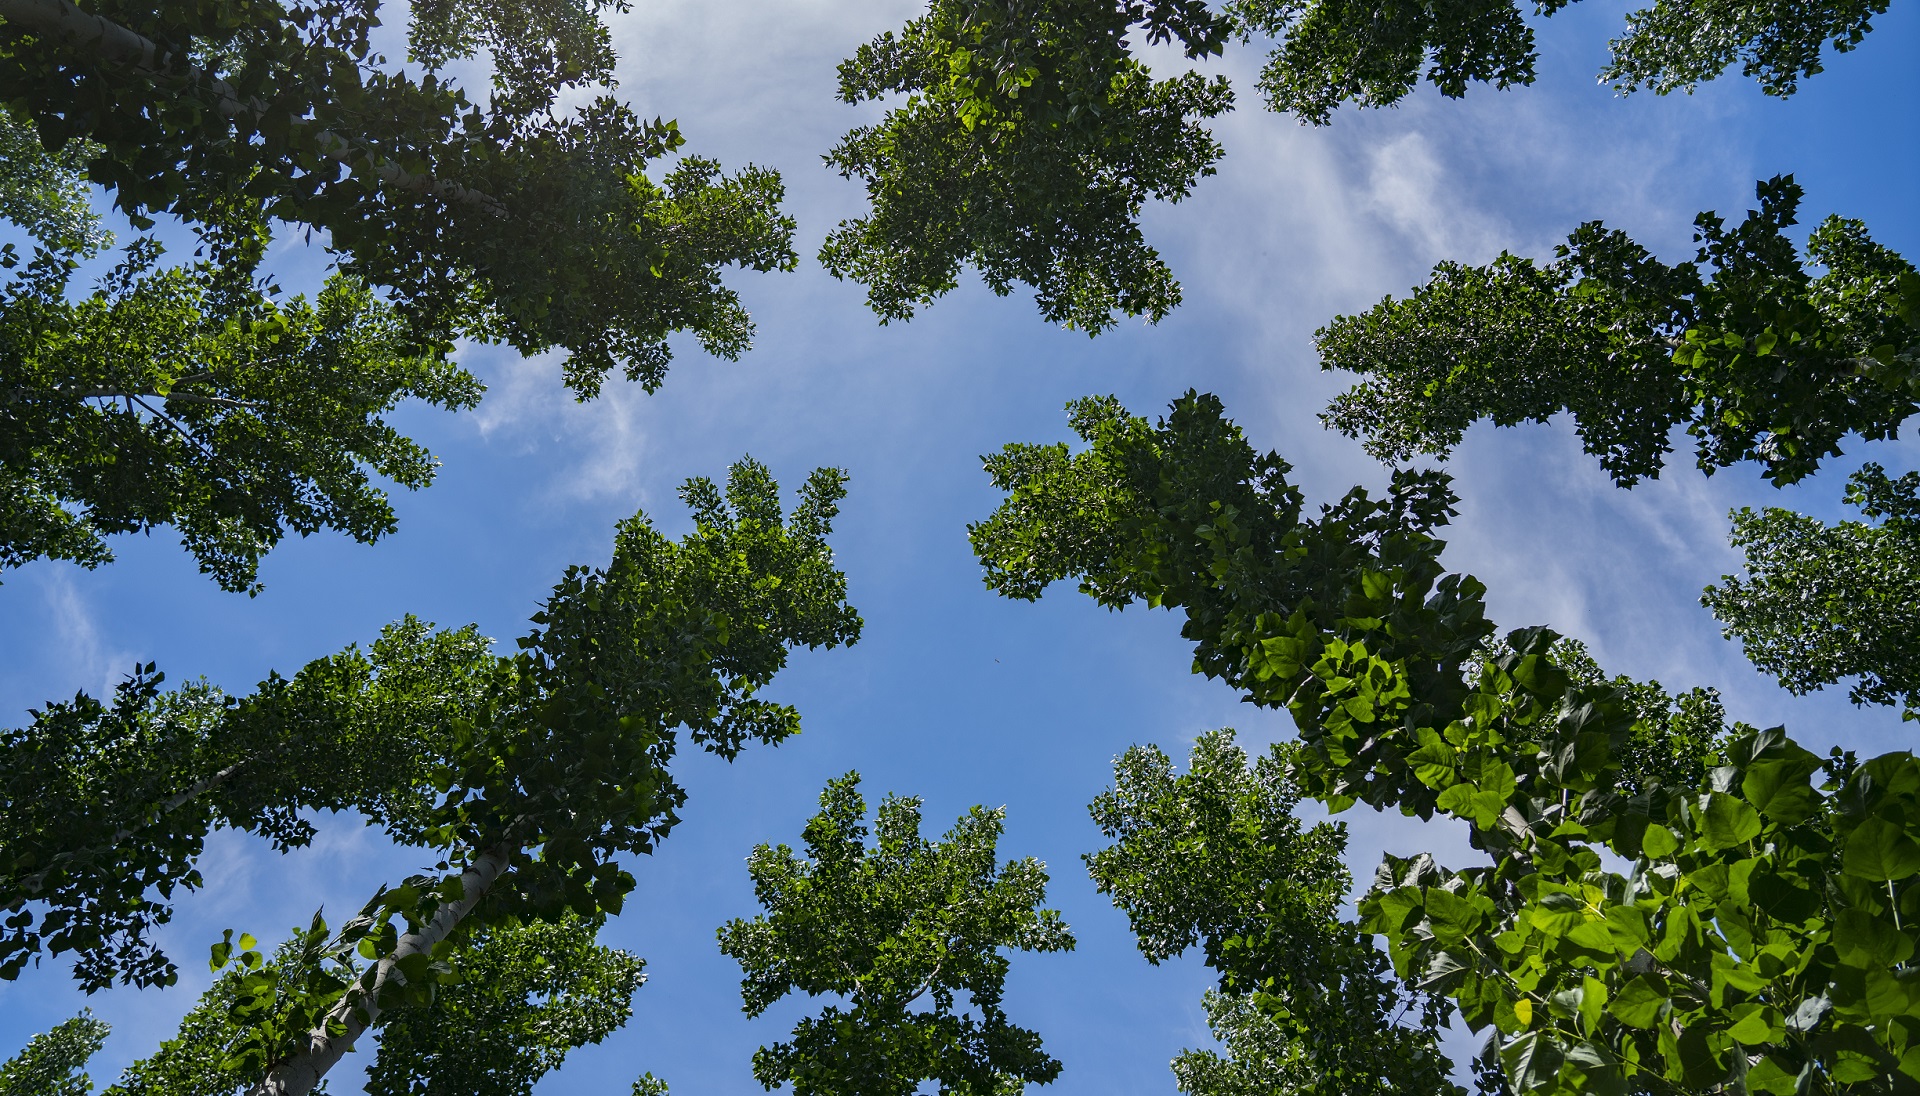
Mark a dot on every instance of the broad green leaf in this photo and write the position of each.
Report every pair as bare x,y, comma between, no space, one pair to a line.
1771,1076
1881,851
1869,943
1781,790
1639,1003
1726,822
1756,1024
1659,842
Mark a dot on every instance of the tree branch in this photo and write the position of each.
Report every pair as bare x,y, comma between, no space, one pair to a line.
357,1011
30,885
113,42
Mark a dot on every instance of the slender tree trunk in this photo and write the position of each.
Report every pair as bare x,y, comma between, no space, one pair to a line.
112,42
298,1075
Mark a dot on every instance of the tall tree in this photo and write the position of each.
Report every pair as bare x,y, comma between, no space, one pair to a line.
529,775
1217,856
52,1063
899,930
1026,136
1823,603
1761,933
199,397
1760,358
565,768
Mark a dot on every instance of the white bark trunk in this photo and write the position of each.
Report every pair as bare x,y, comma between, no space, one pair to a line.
298,1075
113,42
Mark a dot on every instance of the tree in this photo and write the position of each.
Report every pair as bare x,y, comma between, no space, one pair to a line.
189,396
1761,937
1028,141
1217,856
1822,603
907,922
51,1063
199,397
110,804
1027,136
526,995
509,222
565,769
1334,51
517,1000
1760,360
528,775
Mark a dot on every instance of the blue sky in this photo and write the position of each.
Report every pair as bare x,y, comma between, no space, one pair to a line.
953,694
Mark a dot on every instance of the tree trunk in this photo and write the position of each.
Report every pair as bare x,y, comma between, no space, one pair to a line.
112,42
298,1075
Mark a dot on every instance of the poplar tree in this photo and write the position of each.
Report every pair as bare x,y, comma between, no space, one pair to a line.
1023,138
899,929
529,775
1743,920
199,396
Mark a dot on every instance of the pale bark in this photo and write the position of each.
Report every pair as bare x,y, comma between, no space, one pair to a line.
112,42
357,1012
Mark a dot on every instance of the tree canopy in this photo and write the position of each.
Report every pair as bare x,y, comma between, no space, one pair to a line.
905,922
517,220
199,396
1661,901
1756,355
52,1063
1759,934
1027,144
1025,136
1217,856
528,775
1820,604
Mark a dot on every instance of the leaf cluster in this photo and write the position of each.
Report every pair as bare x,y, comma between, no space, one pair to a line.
52,1062
899,930
192,396
1371,54
1217,856
1756,356
1822,603
1761,933
1026,144
110,802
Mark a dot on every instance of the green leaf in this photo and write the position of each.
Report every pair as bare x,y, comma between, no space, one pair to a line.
1773,1077
1881,851
1593,1003
1780,789
1639,1003
1864,941
1450,916
1532,1061
1659,842
1757,1024
1727,822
